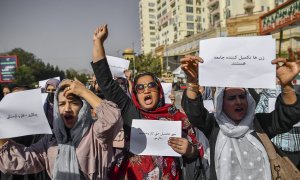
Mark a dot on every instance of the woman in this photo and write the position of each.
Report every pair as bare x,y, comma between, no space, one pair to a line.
235,149
50,88
147,103
80,148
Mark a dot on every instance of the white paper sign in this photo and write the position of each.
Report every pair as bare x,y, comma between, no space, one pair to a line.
238,62
22,113
209,105
43,82
117,65
44,98
150,137
271,104
167,88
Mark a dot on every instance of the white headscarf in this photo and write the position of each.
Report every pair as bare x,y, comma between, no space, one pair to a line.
66,165
238,154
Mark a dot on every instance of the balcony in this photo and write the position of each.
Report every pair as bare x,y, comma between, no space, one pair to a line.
212,3
215,12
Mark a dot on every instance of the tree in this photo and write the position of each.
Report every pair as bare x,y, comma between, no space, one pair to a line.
147,63
72,74
24,76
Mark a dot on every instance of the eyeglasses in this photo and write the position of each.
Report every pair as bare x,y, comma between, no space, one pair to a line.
151,86
234,97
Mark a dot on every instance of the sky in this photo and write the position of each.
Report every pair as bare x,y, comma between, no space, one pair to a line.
60,31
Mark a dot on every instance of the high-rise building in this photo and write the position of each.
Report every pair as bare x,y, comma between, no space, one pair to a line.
164,23
216,12
147,13
177,19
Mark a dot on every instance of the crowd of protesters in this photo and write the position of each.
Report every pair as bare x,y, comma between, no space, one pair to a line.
91,127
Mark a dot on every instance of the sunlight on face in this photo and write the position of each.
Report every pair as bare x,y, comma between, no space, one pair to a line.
69,108
148,97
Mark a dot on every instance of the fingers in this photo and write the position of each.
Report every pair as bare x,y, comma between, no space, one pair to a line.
279,61
291,55
191,59
66,82
177,142
298,54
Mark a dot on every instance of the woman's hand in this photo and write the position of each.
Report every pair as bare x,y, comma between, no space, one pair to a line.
78,89
99,36
189,64
287,69
74,87
182,146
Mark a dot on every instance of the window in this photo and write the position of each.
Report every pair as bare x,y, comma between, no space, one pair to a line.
228,13
151,4
189,1
152,33
151,22
151,10
189,33
189,9
152,45
227,2
164,12
190,18
152,27
151,16
262,8
298,43
153,39
190,25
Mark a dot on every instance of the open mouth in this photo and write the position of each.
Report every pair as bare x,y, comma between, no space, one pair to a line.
239,110
148,99
68,117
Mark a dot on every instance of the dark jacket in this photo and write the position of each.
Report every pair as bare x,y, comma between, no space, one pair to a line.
280,120
113,92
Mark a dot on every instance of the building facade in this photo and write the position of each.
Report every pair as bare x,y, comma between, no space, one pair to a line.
181,24
147,16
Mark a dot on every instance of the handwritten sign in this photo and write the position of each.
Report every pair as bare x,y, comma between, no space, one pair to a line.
150,137
167,88
22,113
238,62
117,65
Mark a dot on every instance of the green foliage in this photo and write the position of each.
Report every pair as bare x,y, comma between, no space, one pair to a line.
32,69
72,74
24,76
147,63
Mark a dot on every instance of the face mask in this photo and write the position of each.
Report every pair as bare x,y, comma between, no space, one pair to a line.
50,97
